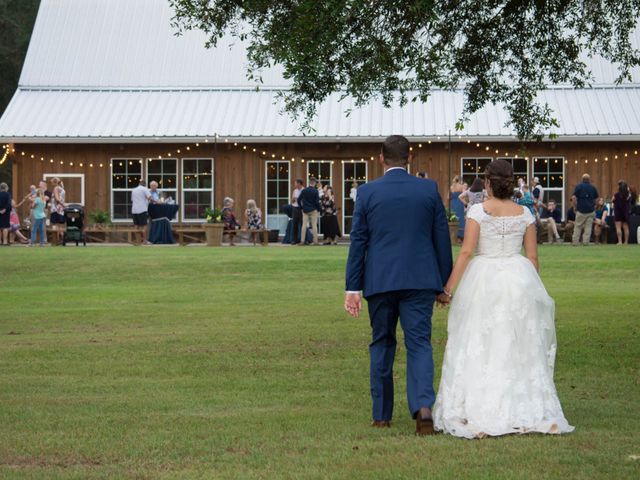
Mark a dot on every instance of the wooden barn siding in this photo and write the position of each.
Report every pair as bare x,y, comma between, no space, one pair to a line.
240,173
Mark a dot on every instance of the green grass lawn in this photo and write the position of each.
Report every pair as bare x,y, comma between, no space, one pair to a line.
240,363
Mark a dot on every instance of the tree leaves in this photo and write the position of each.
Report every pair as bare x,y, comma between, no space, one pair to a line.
501,52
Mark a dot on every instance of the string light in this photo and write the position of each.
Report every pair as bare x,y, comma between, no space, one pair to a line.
7,149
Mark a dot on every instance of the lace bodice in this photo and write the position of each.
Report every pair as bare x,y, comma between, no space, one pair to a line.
500,236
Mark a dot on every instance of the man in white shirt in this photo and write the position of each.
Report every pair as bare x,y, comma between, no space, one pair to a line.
538,195
140,197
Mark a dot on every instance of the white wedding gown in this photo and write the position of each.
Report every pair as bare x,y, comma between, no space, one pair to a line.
497,374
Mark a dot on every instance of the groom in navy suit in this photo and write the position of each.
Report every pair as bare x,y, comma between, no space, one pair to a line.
400,258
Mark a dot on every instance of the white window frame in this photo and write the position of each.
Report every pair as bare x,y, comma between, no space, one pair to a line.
528,160
111,189
545,199
345,194
62,176
463,159
178,176
309,162
265,210
182,189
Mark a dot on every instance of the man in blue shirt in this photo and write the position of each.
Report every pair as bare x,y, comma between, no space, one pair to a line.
551,217
309,201
585,196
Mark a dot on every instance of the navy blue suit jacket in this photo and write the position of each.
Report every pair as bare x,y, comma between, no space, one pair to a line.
309,200
399,236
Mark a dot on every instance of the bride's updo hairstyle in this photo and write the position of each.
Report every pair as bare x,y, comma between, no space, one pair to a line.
499,173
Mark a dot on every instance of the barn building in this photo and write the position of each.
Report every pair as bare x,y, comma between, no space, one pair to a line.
109,94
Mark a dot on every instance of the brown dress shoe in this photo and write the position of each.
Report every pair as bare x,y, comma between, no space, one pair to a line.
424,422
381,423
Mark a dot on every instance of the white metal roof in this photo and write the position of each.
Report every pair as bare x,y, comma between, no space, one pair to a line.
113,70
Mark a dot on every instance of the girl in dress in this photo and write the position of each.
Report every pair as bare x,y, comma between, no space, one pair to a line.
37,204
229,220
497,374
253,216
57,208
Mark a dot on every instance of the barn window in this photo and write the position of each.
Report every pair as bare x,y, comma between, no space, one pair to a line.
550,172
125,176
277,194
473,167
352,173
197,187
165,172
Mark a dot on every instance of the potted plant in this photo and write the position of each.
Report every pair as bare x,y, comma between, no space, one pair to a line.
100,218
454,225
213,228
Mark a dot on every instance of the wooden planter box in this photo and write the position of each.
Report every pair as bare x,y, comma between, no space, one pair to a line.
453,232
213,234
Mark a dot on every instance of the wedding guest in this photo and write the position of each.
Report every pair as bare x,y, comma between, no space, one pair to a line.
14,231
585,196
42,185
538,195
521,183
476,194
154,192
571,222
309,201
526,199
140,197
320,189
296,219
635,201
253,216
455,190
600,222
5,213
621,211
57,207
551,217
37,228
329,219
229,220
353,193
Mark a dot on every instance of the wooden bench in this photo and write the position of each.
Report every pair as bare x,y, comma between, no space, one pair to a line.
186,235
263,232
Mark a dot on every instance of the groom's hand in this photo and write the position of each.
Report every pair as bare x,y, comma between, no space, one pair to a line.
443,299
353,304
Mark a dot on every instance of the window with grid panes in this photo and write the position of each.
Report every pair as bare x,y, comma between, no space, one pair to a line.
165,172
550,172
277,194
197,187
472,167
125,176
352,173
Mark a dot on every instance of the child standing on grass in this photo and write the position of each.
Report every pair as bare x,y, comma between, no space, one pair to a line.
39,216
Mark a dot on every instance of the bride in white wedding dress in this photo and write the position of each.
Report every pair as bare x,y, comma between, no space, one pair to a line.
497,374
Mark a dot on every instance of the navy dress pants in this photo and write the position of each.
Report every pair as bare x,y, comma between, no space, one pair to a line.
414,308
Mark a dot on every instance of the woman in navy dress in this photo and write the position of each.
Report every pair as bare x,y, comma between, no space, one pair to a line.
622,211
456,204
5,213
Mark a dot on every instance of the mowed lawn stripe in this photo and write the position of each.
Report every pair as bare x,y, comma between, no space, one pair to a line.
240,363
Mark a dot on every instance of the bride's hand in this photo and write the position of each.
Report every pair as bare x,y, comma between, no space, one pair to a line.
443,300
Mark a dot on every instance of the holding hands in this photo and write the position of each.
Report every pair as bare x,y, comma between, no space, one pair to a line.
444,299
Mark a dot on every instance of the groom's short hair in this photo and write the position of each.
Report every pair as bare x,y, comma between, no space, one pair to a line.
395,150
